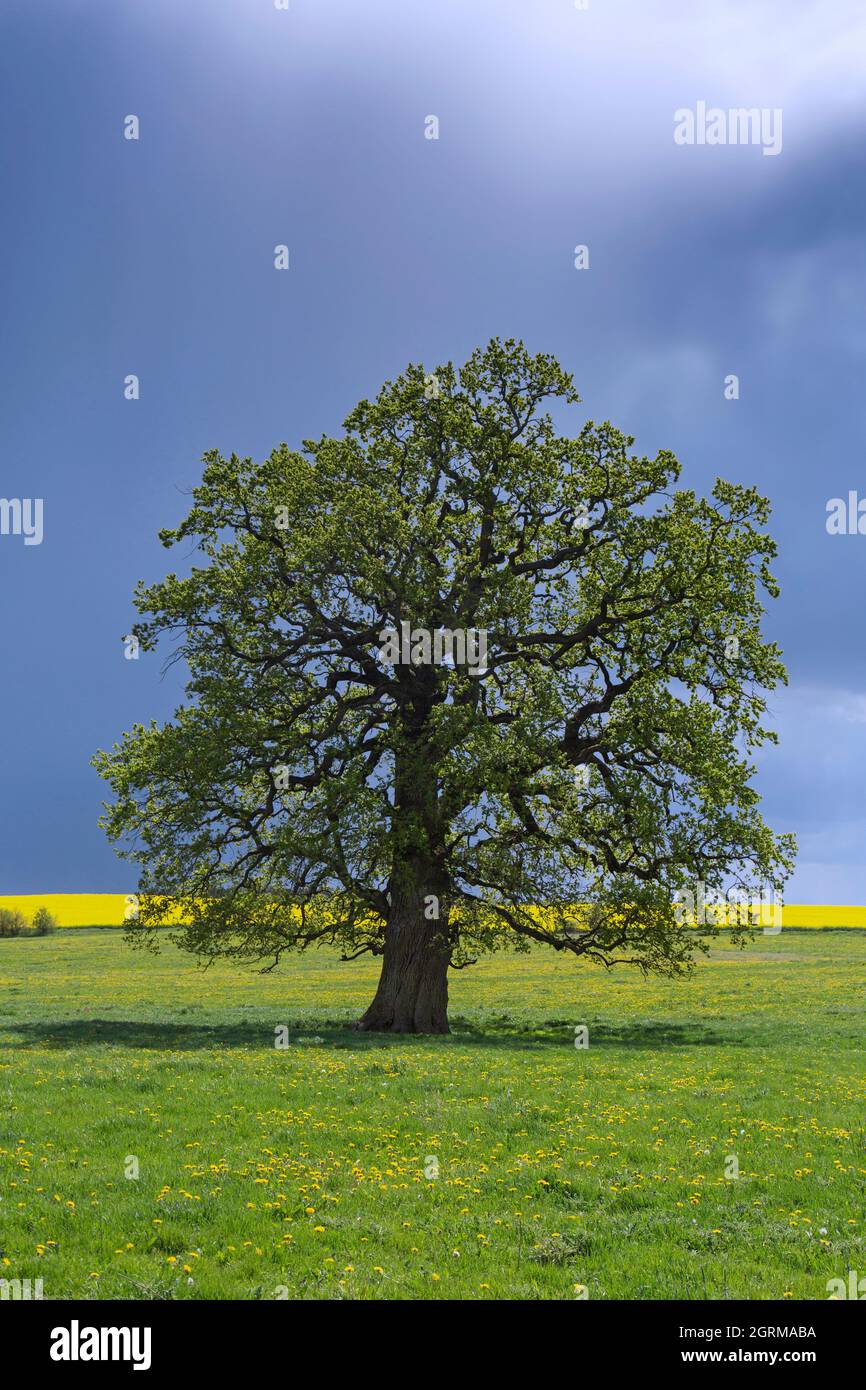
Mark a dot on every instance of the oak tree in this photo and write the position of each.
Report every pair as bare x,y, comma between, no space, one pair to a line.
313,788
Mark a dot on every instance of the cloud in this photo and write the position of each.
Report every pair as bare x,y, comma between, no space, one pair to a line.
817,290
812,784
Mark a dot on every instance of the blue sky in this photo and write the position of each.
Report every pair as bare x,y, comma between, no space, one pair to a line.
306,127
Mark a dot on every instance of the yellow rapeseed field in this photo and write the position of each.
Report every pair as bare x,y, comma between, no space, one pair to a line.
110,910
72,909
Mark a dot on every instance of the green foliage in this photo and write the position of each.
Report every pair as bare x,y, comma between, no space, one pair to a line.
12,923
44,922
304,782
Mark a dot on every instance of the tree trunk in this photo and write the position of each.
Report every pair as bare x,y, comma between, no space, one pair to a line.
413,988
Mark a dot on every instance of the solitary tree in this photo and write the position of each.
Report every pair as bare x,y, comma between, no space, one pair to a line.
456,681
44,922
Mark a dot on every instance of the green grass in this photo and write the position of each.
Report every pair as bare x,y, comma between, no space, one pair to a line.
556,1167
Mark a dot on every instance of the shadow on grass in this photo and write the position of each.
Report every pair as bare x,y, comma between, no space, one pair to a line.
494,1031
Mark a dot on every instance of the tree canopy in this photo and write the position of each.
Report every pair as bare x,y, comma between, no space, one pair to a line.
596,763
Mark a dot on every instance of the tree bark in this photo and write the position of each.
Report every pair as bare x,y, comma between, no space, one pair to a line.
412,996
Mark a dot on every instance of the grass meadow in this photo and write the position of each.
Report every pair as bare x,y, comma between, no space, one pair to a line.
155,1143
